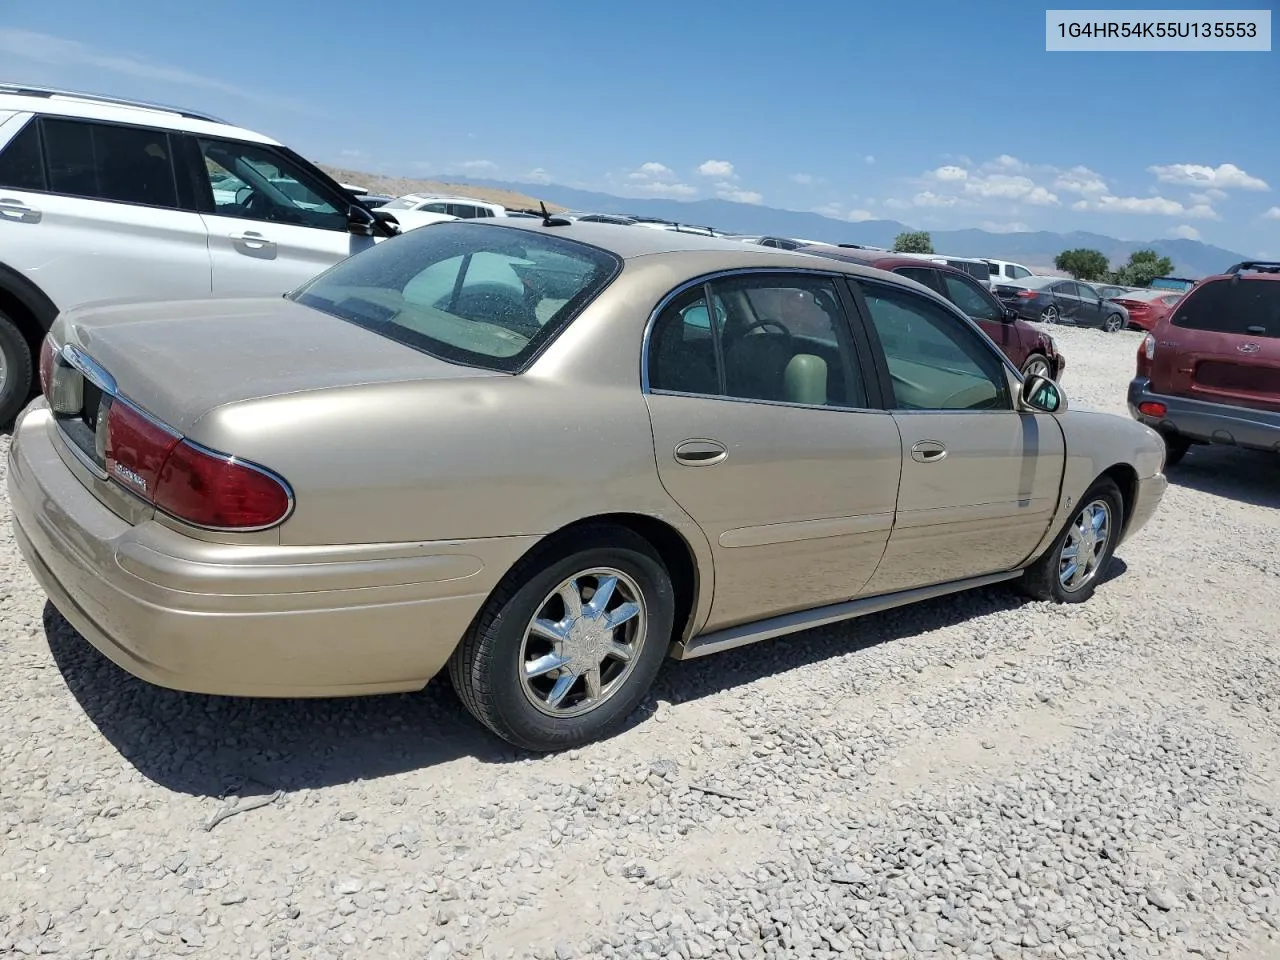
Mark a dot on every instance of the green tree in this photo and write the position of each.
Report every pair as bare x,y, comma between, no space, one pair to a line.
1143,267
917,241
1083,264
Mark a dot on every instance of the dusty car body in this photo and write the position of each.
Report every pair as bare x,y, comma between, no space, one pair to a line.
545,455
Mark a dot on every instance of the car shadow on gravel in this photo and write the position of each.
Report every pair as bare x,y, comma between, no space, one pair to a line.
1249,476
207,745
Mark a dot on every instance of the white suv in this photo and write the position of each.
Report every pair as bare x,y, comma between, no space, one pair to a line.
419,209
106,199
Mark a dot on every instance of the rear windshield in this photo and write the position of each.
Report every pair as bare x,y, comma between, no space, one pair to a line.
1243,306
473,293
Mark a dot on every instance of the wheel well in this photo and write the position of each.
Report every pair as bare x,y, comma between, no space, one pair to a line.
1126,478
672,549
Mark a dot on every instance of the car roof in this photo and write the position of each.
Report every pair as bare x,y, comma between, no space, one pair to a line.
880,260
452,198
629,244
87,106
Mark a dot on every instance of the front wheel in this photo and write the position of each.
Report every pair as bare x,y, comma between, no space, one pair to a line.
569,643
1049,314
15,370
1069,571
1113,323
1037,365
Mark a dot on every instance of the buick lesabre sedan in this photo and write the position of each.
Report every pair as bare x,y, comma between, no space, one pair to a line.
545,456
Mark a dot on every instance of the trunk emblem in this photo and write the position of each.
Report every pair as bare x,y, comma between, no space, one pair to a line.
1248,348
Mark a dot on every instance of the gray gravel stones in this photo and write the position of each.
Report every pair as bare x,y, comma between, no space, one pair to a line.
974,777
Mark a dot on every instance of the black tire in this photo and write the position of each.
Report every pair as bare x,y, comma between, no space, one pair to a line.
485,668
1038,359
1049,314
1175,448
15,386
1113,323
1040,581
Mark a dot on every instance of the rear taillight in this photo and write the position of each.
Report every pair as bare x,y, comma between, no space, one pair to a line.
1146,353
47,350
197,486
212,490
1153,409
1149,346
1028,294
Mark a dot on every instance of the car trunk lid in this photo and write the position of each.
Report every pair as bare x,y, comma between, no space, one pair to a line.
1222,344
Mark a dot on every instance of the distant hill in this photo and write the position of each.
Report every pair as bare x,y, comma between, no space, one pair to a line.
1191,258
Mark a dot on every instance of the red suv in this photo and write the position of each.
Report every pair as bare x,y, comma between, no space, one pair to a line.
1031,350
1209,371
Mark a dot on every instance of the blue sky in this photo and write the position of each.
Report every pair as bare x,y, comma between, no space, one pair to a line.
938,114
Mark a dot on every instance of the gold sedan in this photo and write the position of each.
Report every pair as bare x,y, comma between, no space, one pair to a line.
546,455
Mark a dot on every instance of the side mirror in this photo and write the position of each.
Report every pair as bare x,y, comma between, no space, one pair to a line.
359,221
1041,395
1010,315
388,220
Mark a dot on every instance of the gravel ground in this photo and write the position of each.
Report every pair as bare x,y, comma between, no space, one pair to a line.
979,776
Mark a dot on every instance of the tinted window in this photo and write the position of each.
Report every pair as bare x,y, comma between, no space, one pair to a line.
1010,271
919,275
1245,307
936,362
781,339
435,208
1064,289
255,183
1020,272
993,269
477,294
105,162
970,298
20,165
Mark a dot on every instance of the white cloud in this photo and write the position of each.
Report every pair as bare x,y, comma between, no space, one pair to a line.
1202,211
652,171
1209,197
1272,214
1184,232
927,198
1159,206
1005,163
1226,176
1081,180
1012,227
727,191
950,174
716,168
664,189
478,166
869,159
857,216
1010,187
537,175
804,179
56,51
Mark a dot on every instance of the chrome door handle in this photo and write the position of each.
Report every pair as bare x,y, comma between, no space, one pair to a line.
253,240
928,451
701,453
17,211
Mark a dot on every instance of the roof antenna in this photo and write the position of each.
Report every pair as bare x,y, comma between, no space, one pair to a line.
548,220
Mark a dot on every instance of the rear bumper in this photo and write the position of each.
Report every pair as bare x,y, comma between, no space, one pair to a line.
1204,422
248,620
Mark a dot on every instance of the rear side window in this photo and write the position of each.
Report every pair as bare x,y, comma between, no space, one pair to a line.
477,294
20,164
1245,307
106,162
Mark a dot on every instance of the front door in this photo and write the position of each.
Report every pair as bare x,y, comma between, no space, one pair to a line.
763,436
980,481
271,225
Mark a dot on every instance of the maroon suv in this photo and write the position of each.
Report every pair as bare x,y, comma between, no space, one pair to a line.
1031,350
1209,371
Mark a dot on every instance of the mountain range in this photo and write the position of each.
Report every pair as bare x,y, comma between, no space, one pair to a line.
1036,249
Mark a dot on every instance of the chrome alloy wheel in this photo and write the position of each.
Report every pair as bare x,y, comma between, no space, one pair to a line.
1085,546
1037,366
583,642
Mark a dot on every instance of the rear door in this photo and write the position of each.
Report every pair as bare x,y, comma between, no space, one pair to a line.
1223,344
91,211
271,224
1067,300
764,433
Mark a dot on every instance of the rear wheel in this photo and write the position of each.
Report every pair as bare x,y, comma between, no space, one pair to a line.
1049,314
569,643
1175,448
15,370
1069,571
1113,323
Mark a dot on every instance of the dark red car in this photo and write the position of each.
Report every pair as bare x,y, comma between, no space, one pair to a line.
1209,372
1147,307
1031,350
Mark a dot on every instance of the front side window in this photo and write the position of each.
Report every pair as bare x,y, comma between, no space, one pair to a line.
970,298
477,294
21,167
935,360
254,183
1020,272
101,161
919,275
783,339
